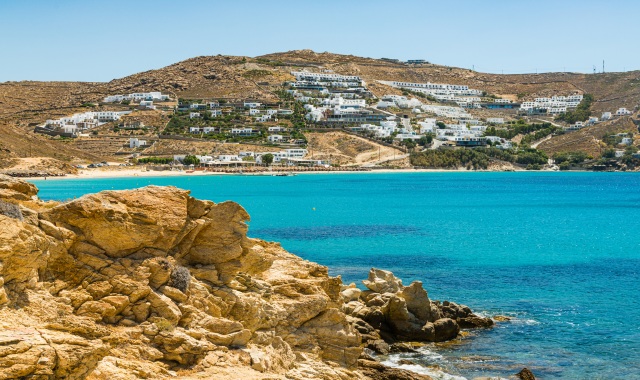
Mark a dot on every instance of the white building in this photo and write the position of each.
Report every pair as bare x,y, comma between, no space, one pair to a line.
275,138
606,116
136,143
553,105
623,112
247,131
252,104
147,104
427,125
137,96
495,120
194,115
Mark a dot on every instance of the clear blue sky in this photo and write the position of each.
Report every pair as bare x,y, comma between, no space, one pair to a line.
102,40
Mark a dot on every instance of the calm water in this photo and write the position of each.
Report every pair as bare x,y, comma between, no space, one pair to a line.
558,251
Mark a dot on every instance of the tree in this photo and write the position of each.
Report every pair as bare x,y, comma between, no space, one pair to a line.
267,159
191,160
441,125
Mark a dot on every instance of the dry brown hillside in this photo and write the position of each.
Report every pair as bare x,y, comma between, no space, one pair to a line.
345,149
587,139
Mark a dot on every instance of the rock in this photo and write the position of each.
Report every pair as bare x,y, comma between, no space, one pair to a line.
378,346
351,294
501,318
525,374
137,218
376,371
398,348
418,302
382,281
474,322
13,188
164,307
445,329
375,301
175,294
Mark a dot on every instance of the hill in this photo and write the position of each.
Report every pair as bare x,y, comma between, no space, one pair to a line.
25,104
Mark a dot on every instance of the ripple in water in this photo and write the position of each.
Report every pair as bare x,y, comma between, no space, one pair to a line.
337,232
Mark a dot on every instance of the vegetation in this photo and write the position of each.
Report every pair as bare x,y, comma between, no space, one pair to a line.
191,160
450,158
540,134
520,127
155,160
570,158
180,278
478,158
267,159
269,62
253,74
11,210
581,113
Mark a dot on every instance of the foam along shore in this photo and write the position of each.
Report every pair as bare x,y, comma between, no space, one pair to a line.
112,285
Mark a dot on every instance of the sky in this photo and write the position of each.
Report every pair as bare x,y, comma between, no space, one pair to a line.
72,40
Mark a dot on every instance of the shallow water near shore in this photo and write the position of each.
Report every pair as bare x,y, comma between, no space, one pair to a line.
559,252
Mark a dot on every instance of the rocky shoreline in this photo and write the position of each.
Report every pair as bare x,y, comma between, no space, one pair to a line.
153,283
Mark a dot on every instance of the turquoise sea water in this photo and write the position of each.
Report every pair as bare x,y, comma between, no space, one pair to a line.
558,251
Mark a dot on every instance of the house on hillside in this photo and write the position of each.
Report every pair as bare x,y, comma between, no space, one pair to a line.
136,143
623,112
252,104
275,138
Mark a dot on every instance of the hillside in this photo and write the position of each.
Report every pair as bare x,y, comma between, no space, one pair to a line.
610,90
25,104
588,139
246,78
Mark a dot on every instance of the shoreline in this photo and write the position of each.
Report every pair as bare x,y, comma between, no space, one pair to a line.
98,174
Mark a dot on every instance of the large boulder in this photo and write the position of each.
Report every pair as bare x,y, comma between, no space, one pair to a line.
418,301
16,189
382,281
119,223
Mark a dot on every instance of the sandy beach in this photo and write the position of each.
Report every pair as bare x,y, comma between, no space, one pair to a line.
141,172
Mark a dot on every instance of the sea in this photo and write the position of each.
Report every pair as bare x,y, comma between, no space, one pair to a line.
557,252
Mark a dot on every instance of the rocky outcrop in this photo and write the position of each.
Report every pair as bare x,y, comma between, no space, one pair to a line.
152,283
389,312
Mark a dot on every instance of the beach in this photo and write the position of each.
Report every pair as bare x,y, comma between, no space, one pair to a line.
124,172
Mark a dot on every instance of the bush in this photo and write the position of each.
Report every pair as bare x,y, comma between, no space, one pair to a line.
565,166
155,160
570,157
180,278
11,210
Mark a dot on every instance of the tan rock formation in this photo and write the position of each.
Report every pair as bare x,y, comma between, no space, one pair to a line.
153,283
